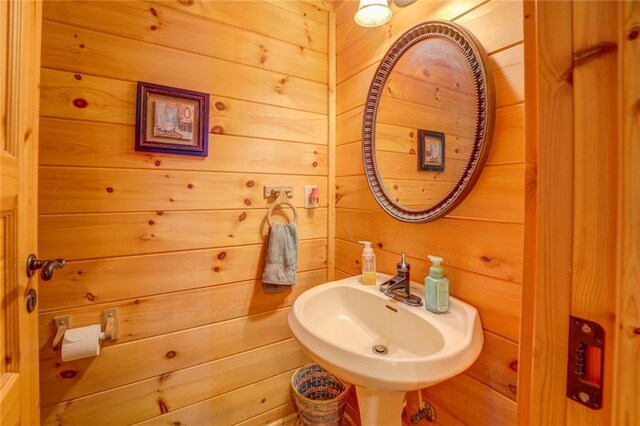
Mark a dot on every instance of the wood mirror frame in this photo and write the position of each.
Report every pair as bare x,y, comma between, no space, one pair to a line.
475,56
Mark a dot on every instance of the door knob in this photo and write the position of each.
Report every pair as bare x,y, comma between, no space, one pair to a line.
47,266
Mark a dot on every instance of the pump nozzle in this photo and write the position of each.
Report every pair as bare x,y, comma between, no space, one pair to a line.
367,247
436,270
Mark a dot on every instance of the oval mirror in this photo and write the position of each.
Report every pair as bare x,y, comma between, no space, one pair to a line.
428,121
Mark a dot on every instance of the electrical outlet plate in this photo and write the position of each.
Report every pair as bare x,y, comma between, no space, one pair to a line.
308,204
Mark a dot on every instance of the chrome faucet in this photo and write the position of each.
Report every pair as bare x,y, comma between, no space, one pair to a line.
399,287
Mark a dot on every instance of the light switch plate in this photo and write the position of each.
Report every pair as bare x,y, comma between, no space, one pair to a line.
308,202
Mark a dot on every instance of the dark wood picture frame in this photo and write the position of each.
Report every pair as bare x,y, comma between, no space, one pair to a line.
431,151
171,120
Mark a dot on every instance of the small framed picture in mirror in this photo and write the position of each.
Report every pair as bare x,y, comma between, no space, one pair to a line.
430,151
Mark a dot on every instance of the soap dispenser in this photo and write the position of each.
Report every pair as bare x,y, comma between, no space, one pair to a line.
436,288
368,264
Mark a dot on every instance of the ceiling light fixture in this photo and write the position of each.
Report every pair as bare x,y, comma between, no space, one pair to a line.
372,13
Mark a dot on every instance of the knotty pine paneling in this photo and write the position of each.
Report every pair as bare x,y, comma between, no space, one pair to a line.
232,407
130,362
482,240
155,396
144,316
86,283
177,243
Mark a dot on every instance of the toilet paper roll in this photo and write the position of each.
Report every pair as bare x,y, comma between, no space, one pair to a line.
81,342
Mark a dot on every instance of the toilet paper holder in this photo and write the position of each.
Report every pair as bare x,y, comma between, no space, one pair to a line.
109,320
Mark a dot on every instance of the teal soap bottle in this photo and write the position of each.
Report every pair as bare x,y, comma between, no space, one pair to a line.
436,288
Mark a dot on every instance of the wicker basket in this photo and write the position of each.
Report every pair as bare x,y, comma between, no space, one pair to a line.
320,396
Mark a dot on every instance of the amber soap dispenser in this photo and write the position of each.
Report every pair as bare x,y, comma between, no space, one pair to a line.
368,264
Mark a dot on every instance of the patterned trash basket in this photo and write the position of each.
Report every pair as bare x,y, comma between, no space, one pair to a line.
320,396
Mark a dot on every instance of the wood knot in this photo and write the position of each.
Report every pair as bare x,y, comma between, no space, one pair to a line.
513,389
222,255
514,366
157,163
219,130
109,190
153,11
68,374
190,186
163,406
380,245
80,103
151,222
315,164
220,106
171,354
90,297
593,52
242,216
216,269
486,259
250,184
633,34
77,76
247,201
153,28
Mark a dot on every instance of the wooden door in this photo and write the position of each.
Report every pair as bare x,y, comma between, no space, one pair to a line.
19,99
582,224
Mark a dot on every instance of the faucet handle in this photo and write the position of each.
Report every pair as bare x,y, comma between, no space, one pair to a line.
403,268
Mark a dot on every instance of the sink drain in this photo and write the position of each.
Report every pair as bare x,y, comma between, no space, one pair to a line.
380,350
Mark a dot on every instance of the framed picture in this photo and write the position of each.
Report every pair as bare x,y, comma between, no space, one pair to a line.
171,120
430,151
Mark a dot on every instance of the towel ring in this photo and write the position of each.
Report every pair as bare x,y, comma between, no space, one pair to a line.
282,199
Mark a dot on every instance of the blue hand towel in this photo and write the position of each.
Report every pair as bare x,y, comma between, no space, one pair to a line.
281,260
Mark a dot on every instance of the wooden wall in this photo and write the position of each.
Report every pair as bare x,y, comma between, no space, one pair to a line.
482,240
177,242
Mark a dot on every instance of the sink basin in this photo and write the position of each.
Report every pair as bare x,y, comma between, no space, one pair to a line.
383,346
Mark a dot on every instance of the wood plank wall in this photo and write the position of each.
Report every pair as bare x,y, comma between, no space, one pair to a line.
177,242
482,240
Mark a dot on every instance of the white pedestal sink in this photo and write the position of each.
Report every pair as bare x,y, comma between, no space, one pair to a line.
340,323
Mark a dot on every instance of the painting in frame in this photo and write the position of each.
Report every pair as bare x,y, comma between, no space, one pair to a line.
431,151
171,120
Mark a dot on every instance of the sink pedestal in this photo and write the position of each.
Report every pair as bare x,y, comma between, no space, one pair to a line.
380,407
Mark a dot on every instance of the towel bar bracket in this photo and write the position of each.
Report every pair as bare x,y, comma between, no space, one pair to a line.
271,191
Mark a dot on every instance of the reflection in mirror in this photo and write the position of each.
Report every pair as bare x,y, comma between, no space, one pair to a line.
428,121
427,103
